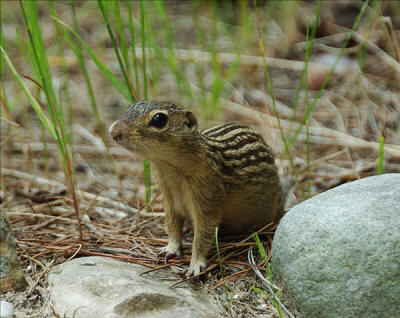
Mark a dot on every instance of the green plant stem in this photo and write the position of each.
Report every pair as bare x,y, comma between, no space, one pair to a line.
116,50
381,152
328,77
143,23
146,164
269,86
123,48
133,47
308,54
111,77
55,110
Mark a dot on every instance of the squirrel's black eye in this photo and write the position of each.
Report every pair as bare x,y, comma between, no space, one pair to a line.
159,120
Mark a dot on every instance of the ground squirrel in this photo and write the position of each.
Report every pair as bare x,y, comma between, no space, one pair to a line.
224,176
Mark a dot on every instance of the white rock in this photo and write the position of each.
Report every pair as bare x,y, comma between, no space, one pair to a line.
6,309
91,287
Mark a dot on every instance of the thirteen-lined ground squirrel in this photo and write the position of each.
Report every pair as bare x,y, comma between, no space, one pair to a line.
223,176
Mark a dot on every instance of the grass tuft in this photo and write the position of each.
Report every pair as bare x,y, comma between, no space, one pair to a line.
55,125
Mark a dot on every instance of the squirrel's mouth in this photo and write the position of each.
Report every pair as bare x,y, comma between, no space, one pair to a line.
117,130
118,137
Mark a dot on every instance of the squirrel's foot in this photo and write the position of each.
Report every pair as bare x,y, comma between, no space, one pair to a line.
170,251
196,266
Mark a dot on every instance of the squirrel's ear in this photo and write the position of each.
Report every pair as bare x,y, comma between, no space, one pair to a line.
191,120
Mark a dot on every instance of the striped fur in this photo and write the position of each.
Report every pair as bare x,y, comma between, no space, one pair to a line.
223,176
238,150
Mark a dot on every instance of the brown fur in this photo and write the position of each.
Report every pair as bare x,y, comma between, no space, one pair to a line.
224,176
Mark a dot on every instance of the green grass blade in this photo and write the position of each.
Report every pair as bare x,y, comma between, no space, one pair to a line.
271,298
60,50
147,181
30,16
133,47
309,43
328,77
260,247
46,122
146,164
114,80
104,12
303,77
381,152
143,23
269,86
77,49
124,50
262,292
218,254
170,58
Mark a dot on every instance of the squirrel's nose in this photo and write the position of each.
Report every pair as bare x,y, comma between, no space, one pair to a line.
116,130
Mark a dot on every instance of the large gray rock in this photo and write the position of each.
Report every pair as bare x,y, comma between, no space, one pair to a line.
92,287
338,253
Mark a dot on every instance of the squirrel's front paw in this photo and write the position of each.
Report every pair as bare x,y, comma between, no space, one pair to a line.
196,267
170,251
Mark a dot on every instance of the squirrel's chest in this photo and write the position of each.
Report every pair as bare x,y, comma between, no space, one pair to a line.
180,192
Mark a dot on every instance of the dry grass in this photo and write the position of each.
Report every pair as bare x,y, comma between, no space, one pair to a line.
355,110
42,218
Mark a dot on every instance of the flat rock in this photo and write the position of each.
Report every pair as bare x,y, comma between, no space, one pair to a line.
338,253
92,287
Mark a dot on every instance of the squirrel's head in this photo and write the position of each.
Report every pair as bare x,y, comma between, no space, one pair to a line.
154,129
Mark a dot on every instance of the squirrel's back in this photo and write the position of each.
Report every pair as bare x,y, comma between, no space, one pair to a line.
239,152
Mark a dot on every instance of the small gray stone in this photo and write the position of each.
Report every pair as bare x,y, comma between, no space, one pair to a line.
92,287
338,253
